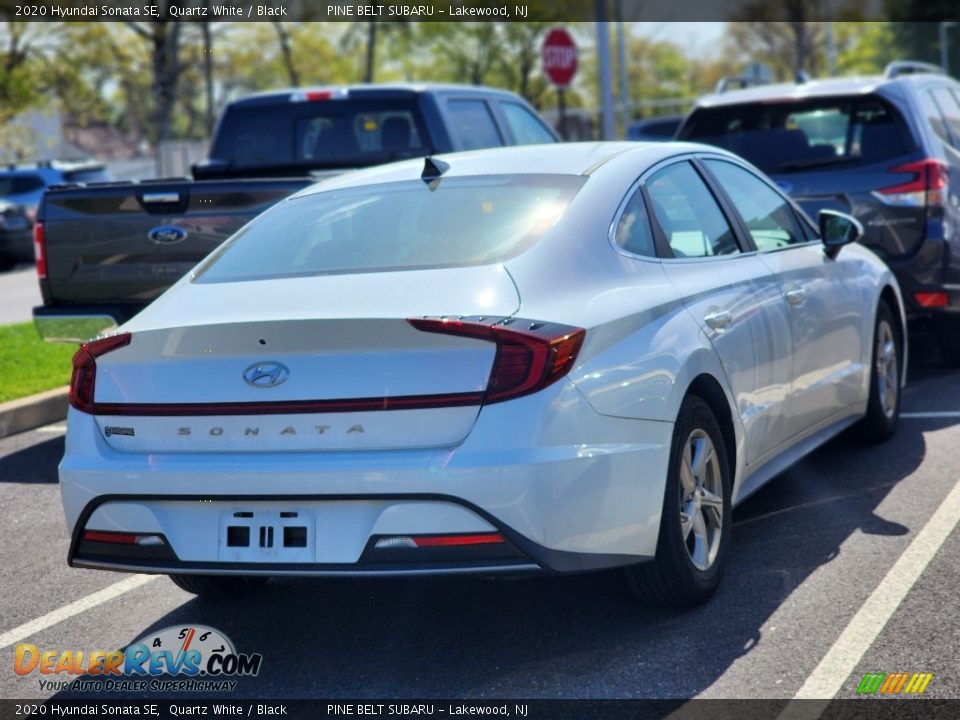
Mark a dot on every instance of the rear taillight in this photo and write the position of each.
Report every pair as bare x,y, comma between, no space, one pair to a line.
84,378
928,186
932,299
530,355
40,250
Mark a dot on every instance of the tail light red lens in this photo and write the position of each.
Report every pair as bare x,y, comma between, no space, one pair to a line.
40,250
931,299
84,379
530,355
930,178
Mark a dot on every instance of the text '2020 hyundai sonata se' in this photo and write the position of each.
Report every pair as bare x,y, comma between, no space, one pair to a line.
550,358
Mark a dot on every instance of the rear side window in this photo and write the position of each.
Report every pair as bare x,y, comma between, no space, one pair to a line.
792,136
633,229
688,213
396,226
19,184
526,128
326,133
949,105
473,125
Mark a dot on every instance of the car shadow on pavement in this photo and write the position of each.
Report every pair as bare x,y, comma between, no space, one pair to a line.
564,636
33,464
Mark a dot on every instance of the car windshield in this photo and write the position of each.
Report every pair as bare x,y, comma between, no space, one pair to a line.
406,225
319,134
790,136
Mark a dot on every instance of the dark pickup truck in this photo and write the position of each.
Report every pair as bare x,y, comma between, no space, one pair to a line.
106,250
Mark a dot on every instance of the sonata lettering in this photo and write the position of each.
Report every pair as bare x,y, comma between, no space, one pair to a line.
218,431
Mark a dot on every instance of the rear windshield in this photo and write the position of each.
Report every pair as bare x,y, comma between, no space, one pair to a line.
17,184
396,226
790,136
325,133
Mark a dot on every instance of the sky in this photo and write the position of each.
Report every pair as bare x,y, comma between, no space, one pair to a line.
697,39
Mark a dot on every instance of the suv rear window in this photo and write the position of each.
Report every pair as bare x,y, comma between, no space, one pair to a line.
326,133
396,226
791,136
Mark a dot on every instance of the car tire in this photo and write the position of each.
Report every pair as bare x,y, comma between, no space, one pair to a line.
695,525
886,368
219,586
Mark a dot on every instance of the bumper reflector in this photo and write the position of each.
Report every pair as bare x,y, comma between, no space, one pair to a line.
931,299
438,541
119,538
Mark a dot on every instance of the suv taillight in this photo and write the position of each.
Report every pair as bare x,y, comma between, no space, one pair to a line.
927,188
84,378
40,250
530,355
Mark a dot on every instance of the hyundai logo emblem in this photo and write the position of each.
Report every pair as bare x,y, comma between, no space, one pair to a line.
266,374
167,234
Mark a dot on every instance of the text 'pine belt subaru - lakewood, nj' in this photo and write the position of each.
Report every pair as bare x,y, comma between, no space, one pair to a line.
555,358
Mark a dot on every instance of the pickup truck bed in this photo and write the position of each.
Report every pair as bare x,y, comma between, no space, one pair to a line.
106,250
128,242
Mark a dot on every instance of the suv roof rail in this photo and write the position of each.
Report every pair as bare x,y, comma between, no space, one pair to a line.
736,82
910,67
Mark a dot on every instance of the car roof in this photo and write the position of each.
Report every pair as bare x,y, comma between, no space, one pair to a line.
375,90
583,158
812,89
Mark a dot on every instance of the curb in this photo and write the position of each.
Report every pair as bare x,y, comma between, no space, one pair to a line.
32,412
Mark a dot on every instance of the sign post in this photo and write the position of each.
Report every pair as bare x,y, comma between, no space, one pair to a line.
559,57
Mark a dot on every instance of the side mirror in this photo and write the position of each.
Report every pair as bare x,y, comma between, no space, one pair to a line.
837,230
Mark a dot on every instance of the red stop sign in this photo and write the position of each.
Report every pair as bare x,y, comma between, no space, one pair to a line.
559,56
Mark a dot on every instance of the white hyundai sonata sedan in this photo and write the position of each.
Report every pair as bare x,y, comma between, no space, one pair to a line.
555,359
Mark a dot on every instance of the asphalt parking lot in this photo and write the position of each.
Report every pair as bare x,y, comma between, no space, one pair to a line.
819,591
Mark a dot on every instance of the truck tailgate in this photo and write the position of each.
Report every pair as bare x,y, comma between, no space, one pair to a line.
128,242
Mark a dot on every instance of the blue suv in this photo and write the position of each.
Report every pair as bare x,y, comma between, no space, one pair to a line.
885,149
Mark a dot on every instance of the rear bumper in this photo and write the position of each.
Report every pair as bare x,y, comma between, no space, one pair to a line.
581,493
930,270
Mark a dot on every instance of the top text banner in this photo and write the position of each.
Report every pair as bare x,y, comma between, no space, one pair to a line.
446,10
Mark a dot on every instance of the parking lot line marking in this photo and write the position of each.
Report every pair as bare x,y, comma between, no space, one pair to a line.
842,658
22,632
930,415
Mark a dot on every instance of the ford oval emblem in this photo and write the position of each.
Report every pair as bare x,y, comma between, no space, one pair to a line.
167,235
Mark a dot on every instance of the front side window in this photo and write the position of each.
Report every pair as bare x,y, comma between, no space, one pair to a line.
526,128
769,218
688,214
406,225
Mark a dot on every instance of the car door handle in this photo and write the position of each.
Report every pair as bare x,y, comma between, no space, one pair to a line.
796,296
718,319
